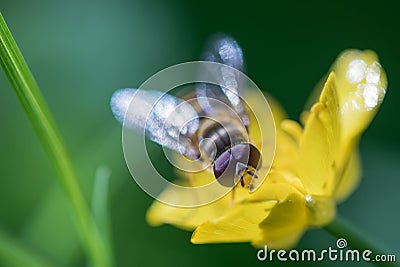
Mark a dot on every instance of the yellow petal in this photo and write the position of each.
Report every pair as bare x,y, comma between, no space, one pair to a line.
350,178
348,103
240,224
320,210
285,223
288,137
319,144
189,218
186,218
293,129
314,96
277,186
361,84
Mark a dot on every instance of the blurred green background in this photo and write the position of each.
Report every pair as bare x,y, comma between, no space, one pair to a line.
81,51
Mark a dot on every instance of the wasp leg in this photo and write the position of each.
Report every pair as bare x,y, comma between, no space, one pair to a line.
252,174
242,181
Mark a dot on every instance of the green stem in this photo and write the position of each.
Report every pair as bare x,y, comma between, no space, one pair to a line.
100,204
341,228
29,95
15,254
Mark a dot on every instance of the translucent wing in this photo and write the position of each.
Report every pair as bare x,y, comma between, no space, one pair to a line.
224,49
165,119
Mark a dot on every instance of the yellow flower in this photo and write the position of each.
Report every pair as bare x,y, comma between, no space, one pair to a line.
316,165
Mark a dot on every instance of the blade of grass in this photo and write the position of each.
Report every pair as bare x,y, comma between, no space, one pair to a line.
15,254
100,202
38,113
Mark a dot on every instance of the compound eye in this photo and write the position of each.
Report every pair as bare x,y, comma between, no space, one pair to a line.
255,158
221,171
247,154
231,162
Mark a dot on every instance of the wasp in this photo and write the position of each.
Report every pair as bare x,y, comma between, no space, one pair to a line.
203,128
